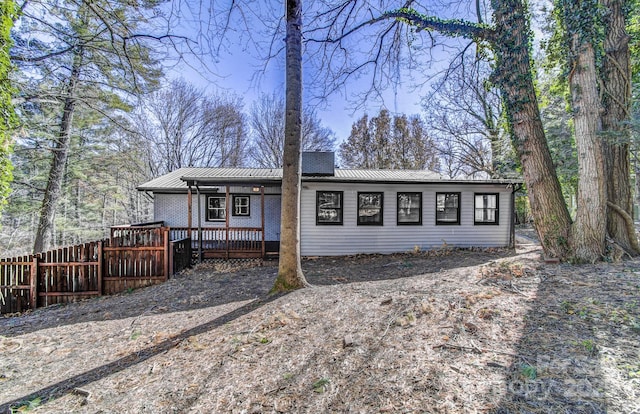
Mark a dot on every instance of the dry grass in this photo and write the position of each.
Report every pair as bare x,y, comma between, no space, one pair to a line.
513,335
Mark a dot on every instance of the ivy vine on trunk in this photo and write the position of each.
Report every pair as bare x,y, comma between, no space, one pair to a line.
510,39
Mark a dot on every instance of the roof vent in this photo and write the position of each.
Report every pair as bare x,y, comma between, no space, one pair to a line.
318,163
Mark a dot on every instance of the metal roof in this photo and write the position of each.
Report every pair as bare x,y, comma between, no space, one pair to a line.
385,175
176,181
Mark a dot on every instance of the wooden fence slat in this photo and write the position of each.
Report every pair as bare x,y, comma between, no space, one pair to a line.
167,255
66,294
130,257
100,269
34,282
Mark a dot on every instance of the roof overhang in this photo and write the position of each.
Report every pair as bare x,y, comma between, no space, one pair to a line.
320,179
219,181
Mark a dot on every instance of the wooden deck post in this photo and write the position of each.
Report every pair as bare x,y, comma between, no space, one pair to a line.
226,218
33,290
263,252
168,253
189,210
199,226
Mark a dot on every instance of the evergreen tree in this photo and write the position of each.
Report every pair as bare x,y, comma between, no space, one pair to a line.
389,143
92,57
8,118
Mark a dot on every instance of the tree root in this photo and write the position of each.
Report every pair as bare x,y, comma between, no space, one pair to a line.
631,229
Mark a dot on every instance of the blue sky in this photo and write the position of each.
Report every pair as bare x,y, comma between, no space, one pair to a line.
237,74
235,70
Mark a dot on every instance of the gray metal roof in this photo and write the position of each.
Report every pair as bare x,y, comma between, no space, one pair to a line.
176,181
384,175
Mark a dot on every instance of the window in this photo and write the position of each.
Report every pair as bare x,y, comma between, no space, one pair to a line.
216,208
241,205
447,208
409,208
370,209
486,209
329,207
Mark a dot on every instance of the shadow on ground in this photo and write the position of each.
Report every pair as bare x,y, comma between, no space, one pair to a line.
214,284
578,352
69,385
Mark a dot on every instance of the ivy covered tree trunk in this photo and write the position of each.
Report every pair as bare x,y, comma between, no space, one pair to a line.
514,77
589,230
616,102
58,163
290,274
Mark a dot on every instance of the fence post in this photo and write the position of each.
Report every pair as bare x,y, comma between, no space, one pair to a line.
167,255
33,291
100,269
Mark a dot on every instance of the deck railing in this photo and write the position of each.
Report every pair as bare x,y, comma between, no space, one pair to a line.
224,242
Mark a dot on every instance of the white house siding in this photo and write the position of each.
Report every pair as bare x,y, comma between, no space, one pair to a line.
349,238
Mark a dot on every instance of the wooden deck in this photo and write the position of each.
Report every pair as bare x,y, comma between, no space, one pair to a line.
224,242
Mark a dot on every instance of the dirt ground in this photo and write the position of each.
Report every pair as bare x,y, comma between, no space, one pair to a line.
448,331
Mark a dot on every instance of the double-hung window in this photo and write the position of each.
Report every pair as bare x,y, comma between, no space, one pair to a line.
370,207
216,208
447,208
486,209
409,209
329,207
241,205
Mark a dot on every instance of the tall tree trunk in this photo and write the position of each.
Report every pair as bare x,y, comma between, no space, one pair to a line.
616,101
513,76
52,194
290,274
8,120
589,230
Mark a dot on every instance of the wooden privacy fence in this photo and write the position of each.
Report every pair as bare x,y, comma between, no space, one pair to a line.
132,258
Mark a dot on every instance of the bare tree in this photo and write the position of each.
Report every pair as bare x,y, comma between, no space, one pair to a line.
183,127
267,123
290,274
466,116
8,120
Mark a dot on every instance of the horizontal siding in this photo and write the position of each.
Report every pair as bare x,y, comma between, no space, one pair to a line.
350,238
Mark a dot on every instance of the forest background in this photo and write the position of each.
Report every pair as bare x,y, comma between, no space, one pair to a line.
100,109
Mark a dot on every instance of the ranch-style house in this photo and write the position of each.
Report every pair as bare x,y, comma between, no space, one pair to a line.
235,212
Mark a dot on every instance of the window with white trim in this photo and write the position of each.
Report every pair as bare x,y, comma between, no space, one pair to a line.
241,205
216,208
